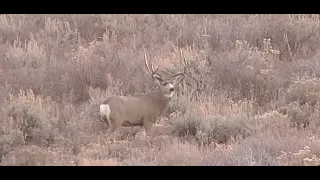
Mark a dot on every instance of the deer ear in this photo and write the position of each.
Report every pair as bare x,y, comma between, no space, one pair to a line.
177,79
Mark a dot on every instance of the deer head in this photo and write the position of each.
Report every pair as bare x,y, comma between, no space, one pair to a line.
165,85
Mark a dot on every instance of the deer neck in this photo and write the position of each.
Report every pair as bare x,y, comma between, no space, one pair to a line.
159,100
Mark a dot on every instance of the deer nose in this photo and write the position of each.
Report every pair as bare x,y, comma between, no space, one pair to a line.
171,89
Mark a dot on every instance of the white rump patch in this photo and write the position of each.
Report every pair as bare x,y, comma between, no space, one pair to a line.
105,111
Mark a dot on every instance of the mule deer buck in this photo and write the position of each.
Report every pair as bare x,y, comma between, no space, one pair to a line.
139,110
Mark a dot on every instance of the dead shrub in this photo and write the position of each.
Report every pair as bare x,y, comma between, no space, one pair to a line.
99,162
212,126
186,125
169,154
271,121
37,156
30,54
10,140
314,119
299,115
18,25
222,129
248,71
34,116
302,158
304,90
302,98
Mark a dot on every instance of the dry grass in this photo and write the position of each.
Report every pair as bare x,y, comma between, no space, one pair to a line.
251,96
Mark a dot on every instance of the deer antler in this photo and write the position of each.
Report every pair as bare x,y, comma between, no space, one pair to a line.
185,67
151,71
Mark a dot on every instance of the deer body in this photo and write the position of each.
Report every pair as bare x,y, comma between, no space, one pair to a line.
129,111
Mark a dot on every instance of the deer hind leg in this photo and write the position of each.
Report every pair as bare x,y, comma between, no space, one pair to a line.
104,118
114,124
111,132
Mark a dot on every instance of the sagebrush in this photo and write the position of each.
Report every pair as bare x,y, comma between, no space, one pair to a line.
250,97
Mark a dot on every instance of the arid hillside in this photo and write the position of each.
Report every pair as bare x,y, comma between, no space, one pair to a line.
251,96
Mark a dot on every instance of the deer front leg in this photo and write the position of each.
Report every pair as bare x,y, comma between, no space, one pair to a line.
147,124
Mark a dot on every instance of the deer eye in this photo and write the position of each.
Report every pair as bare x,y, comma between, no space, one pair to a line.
165,83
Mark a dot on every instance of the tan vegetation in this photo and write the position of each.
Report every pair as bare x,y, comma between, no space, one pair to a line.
249,97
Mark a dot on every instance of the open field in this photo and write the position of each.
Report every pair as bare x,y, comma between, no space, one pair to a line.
252,97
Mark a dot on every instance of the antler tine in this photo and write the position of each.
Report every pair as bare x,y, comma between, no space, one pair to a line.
154,71
151,71
178,74
185,63
184,68
146,63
